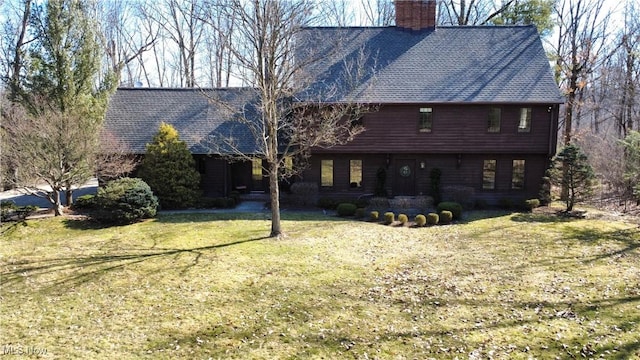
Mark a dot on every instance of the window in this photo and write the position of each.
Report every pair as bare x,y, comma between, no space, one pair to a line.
326,173
288,164
524,126
355,173
494,120
256,170
489,175
426,120
517,175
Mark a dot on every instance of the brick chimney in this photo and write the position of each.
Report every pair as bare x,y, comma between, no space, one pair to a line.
416,14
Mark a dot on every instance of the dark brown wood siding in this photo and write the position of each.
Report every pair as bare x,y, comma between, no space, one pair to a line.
214,177
457,170
456,129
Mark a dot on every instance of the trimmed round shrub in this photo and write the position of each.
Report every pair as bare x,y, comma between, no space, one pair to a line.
125,201
346,209
359,213
433,219
389,218
454,207
445,216
403,219
531,204
420,220
374,216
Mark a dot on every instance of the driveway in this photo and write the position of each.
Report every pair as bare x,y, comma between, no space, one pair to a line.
21,199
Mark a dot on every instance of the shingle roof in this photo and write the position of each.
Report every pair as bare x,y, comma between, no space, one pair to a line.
488,64
204,118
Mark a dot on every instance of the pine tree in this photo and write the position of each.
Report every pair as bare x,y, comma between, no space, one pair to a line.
169,169
631,145
572,171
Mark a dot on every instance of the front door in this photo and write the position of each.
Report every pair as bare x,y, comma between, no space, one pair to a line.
405,177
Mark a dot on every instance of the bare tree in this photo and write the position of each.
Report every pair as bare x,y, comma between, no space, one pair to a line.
182,24
217,37
267,50
14,40
471,12
579,51
627,58
52,148
337,13
113,158
124,42
378,12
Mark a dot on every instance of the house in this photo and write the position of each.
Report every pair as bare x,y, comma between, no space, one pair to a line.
479,104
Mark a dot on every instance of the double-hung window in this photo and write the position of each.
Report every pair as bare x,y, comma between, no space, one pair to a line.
524,124
426,120
494,120
489,175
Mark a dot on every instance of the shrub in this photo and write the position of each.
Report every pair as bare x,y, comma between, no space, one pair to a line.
304,193
359,213
454,207
381,180
463,195
435,176
374,216
433,219
379,203
327,203
85,202
125,201
217,202
7,208
346,209
506,203
445,216
481,204
531,204
403,219
545,191
10,211
169,169
389,218
420,220
235,195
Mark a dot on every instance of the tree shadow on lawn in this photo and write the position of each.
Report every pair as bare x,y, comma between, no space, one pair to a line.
541,218
630,238
87,268
189,217
348,339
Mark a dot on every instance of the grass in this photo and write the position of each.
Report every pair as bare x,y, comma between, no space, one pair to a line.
203,286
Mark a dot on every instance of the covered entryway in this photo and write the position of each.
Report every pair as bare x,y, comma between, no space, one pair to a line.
404,178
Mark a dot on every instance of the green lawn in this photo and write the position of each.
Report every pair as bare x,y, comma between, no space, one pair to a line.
213,286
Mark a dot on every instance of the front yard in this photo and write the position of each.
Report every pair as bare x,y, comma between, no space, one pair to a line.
201,286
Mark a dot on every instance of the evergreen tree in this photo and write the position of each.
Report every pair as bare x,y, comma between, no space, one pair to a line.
572,171
631,145
56,86
169,169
